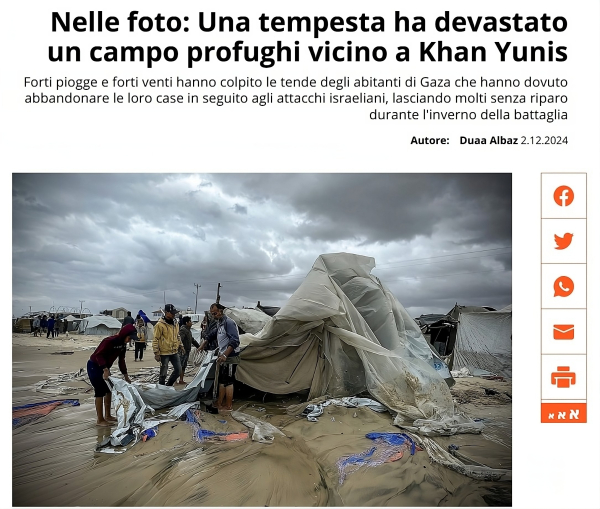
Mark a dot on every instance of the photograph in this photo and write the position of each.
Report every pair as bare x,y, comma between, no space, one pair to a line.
262,339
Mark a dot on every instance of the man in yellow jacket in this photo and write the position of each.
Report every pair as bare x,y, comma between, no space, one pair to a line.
166,344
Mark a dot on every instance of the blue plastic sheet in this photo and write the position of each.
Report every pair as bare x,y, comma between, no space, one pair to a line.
394,439
389,447
24,414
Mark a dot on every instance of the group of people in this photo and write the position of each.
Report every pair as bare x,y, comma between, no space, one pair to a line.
51,326
172,344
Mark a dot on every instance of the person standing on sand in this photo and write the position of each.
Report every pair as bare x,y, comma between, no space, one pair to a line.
50,327
43,324
56,327
228,342
140,340
36,326
98,368
166,345
187,339
128,320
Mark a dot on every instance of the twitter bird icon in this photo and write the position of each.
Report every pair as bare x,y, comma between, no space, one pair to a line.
563,242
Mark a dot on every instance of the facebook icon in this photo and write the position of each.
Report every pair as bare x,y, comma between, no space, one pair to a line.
563,196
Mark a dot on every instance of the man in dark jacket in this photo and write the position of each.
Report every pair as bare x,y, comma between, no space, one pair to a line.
128,320
50,327
98,368
185,334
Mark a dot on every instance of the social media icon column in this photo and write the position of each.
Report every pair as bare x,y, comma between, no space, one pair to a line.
564,297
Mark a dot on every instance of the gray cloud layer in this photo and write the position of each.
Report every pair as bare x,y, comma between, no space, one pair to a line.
122,239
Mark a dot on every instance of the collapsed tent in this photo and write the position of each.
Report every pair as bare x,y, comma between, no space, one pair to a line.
248,320
483,340
99,325
343,332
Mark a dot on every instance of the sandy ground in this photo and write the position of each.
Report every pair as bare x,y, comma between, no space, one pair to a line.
55,463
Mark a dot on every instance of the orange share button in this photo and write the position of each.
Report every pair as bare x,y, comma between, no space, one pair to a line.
564,412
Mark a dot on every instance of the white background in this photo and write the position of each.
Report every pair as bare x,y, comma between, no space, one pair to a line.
336,138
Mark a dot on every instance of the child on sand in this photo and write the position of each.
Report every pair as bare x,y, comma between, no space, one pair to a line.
98,368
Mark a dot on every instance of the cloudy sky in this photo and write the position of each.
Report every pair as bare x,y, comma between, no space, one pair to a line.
116,240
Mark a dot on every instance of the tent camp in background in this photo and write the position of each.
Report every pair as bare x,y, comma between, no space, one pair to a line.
73,323
99,325
477,338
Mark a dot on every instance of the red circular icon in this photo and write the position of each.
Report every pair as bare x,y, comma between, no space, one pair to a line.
563,196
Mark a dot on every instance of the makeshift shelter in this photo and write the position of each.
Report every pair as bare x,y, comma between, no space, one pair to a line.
22,325
483,340
425,321
72,323
99,325
343,332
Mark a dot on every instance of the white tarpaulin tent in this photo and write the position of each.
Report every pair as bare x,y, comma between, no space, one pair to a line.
72,323
99,325
249,320
483,340
343,332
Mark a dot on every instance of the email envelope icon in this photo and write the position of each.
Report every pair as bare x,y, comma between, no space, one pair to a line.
564,331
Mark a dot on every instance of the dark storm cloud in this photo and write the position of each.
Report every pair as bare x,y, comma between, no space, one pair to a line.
134,239
388,207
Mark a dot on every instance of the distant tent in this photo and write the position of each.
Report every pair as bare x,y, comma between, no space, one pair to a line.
72,323
425,322
23,325
99,325
483,340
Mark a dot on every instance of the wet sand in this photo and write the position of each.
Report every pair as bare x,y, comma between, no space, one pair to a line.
55,463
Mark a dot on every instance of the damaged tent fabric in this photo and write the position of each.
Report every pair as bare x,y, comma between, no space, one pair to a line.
483,340
343,332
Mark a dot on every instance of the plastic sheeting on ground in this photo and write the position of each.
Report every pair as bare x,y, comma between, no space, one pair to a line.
343,332
201,434
160,396
132,401
25,414
438,455
262,431
389,447
312,411
55,384
461,373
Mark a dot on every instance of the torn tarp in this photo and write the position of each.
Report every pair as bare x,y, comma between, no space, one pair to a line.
389,447
201,434
262,431
161,396
31,412
312,411
132,401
